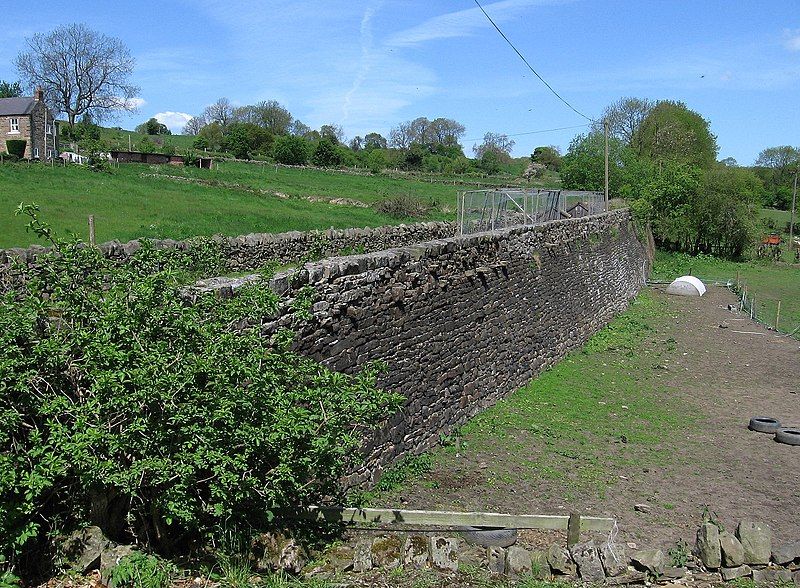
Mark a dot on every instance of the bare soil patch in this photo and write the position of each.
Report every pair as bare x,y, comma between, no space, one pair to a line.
709,380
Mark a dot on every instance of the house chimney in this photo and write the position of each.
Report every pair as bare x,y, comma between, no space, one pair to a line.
39,95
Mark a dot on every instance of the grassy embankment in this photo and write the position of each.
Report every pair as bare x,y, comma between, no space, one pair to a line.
128,202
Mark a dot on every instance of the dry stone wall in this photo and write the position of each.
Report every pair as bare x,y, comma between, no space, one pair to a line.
464,321
249,252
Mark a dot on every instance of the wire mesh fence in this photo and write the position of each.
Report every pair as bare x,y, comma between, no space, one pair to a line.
489,210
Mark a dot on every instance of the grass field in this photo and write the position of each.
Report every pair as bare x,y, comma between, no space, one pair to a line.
128,202
119,139
768,281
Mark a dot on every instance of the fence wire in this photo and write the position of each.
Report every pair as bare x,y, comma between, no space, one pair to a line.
489,210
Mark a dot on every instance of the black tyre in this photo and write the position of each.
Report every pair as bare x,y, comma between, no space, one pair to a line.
788,435
764,424
489,537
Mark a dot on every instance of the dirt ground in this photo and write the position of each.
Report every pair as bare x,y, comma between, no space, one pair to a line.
726,375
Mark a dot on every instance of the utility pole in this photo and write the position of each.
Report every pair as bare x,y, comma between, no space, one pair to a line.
791,223
605,129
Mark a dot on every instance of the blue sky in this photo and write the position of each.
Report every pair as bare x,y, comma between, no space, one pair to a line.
369,64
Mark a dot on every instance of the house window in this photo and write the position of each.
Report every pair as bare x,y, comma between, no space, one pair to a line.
49,154
14,125
36,153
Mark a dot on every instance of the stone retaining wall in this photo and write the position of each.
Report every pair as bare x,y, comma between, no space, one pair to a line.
464,321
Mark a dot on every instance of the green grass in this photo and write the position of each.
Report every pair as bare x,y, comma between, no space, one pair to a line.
767,281
594,412
117,138
779,219
127,205
598,413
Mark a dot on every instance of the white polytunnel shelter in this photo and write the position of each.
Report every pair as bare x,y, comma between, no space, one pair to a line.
686,286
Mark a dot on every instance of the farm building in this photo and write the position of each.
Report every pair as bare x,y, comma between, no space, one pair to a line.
27,118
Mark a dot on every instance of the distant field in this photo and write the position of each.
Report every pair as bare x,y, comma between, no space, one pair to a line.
769,282
127,205
118,139
779,218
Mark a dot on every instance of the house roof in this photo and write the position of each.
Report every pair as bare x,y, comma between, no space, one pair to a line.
22,105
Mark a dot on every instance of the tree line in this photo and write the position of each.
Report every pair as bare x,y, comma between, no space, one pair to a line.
663,161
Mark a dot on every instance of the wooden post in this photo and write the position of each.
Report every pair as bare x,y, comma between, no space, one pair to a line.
778,315
737,279
91,230
573,529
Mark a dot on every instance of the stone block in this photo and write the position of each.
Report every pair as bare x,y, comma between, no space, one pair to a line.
786,553
613,559
415,551
518,561
386,552
732,550
444,553
362,556
771,576
496,559
587,558
708,546
560,561
737,572
649,560
756,539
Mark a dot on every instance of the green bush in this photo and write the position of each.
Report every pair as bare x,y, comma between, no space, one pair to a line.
125,406
290,150
16,147
402,206
326,154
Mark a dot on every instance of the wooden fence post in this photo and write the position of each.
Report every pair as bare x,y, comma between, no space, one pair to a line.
778,315
91,230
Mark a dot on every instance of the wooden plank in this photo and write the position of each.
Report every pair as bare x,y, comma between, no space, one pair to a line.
448,518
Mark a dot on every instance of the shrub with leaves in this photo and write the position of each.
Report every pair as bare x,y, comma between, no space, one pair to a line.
159,420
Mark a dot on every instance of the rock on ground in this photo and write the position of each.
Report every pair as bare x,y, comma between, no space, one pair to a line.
518,561
737,572
559,560
732,550
415,551
613,559
587,558
756,539
444,553
786,553
650,560
708,546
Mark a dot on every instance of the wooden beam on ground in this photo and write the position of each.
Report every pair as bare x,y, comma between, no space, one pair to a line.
451,519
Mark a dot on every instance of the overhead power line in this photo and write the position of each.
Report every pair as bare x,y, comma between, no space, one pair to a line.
530,67
533,132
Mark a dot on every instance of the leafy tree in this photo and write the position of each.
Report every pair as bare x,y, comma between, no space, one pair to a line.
376,160
194,125
441,132
672,132
356,143
332,132
244,139
290,150
490,161
374,141
153,127
81,71
10,89
624,117
326,154
299,129
729,162
776,167
221,112
499,143
583,167
414,156
548,157
210,137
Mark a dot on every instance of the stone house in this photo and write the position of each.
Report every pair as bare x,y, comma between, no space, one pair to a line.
29,119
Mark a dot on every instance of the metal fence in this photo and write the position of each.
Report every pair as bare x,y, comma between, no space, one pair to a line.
488,210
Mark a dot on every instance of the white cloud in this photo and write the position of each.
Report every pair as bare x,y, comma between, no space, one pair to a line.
135,102
175,121
792,39
461,23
